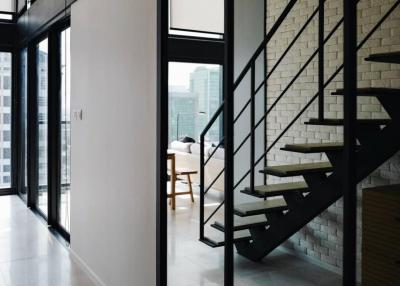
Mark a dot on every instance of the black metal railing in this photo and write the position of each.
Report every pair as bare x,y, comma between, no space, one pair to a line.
250,67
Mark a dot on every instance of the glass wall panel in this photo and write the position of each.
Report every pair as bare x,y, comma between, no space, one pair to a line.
24,123
191,14
64,211
42,104
195,93
5,114
7,6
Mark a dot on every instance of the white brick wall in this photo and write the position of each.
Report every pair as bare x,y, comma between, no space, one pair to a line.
322,238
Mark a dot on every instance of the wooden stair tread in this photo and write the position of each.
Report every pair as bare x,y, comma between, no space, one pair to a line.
313,147
261,207
391,57
340,122
298,169
371,91
276,189
241,223
216,238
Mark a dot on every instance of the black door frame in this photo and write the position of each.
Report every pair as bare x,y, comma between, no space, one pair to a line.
183,49
53,34
12,190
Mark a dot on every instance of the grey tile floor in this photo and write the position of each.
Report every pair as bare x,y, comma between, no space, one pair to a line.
192,263
29,253
31,256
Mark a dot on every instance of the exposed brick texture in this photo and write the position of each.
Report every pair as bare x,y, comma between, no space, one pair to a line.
322,238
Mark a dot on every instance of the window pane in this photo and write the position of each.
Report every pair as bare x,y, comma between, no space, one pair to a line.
42,97
6,17
5,112
24,122
195,93
194,15
64,211
7,6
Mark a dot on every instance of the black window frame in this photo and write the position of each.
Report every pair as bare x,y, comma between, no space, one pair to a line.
12,190
53,35
198,50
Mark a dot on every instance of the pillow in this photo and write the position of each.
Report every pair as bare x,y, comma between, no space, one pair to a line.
180,146
187,139
195,149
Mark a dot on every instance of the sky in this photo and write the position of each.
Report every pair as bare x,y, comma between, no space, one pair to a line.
179,73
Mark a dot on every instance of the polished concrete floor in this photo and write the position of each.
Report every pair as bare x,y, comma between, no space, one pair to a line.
192,263
29,253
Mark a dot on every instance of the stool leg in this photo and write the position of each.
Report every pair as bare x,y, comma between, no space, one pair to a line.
190,187
173,192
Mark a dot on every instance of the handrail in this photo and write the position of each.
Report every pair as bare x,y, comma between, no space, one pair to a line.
215,150
280,59
212,120
215,179
250,65
290,83
332,77
214,212
266,40
275,27
247,67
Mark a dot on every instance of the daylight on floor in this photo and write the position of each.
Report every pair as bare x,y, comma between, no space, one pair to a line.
199,143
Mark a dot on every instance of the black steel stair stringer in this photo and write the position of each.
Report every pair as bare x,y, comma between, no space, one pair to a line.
370,156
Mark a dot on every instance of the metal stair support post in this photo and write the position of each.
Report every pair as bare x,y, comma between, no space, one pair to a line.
321,50
228,142
252,123
350,118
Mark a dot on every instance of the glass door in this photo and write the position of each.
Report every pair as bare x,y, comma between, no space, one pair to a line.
42,57
65,133
5,118
23,189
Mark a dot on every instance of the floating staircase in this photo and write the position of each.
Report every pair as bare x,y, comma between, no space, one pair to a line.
283,209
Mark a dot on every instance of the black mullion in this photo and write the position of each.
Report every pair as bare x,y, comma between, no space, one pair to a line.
14,122
162,142
228,143
19,152
54,127
350,118
265,88
32,127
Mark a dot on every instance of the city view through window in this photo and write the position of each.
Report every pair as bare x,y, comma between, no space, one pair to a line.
195,93
5,117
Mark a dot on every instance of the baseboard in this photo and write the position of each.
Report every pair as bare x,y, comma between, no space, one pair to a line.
92,275
314,261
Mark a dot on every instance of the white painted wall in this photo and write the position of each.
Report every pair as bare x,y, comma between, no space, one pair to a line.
113,224
249,33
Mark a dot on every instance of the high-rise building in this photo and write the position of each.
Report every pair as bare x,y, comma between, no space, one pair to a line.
182,113
5,117
205,83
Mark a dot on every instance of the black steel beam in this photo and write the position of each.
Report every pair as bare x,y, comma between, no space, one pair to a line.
229,144
162,142
321,46
195,50
349,159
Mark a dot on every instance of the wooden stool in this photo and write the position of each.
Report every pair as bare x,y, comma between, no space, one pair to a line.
181,172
